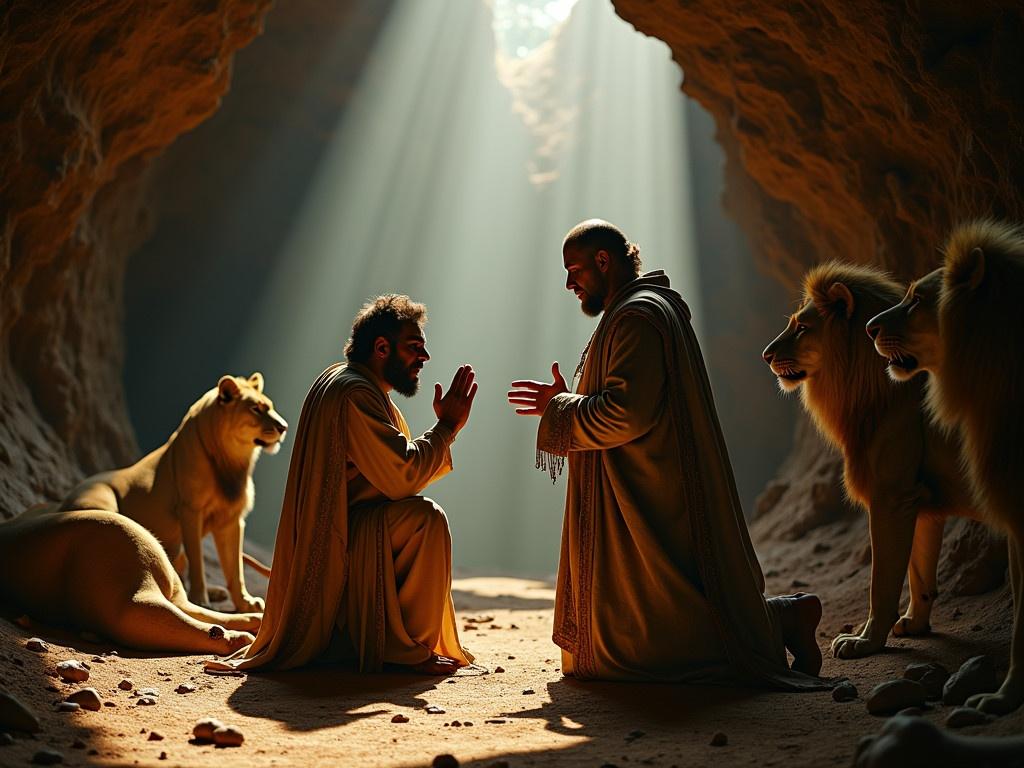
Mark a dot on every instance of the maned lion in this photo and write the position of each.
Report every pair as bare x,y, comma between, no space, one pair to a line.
199,481
964,325
896,465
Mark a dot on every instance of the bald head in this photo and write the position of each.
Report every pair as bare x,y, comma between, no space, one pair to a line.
595,235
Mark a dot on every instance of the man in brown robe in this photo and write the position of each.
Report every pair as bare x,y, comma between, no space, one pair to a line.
657,578
362,563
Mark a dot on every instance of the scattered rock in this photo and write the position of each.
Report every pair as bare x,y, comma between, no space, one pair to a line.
109,703
510,658
399,719
931,676
6,739
148,692
445,761
528,692
185,688
456,724
470,627
145,701
37,644
844,692
155,736
126,685
894,695
434,710
203,729
68,706
98,660
468,724
512,626
16,716
73,671
228,736
499,670
163,756
719,740
496,720
964,716
47,757
86,698
976,675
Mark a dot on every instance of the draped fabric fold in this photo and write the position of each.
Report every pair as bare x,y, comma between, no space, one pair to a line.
657,576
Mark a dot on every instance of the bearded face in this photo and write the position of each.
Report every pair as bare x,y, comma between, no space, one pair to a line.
402,374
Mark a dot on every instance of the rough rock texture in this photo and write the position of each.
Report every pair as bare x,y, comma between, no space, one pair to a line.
858,131
88,93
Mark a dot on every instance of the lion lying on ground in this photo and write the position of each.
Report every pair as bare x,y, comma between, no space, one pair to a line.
100,559
964,325
902,470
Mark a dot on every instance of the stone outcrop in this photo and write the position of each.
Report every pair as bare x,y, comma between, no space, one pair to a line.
90,92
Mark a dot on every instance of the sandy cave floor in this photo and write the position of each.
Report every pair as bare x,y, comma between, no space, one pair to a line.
528,715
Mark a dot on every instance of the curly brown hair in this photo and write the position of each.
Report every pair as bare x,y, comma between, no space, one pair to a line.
595,235
382,316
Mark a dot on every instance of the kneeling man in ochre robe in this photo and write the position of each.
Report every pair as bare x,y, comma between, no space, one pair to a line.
657,578
362,564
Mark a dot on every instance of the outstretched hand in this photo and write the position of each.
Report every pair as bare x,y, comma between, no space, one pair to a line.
532,397
452,409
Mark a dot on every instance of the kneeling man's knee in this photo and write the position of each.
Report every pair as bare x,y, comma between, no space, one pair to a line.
430,514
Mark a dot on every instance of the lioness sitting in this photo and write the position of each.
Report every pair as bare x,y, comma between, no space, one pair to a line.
199,481
901,469
964,324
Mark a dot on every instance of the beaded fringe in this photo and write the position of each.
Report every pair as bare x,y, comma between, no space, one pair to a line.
550,463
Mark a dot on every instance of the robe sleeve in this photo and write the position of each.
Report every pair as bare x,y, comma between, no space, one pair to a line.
397,466
628,404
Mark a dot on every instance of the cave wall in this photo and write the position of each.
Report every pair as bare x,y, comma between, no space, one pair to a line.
89,93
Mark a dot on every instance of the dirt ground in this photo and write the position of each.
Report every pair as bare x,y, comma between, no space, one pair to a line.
522,712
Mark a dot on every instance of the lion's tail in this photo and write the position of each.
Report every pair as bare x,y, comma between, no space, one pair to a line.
255,564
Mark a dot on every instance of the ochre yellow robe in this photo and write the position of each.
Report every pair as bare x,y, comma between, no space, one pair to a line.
657,578
360,559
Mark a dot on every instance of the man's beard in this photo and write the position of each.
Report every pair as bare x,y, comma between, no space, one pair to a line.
401,378
592,305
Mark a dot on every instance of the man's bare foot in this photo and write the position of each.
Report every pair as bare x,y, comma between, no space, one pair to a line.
441,666
800,616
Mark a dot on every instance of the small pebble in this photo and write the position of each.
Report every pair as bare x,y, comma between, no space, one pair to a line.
496,720
434,710
510,658
499,670
37,644
964,716
468,724
155,736
399,719
73,671
932,676
126,685
894,695
719,740
148,692
145,701
456,724
98,660
109,703
203,729
844,692
228,736
163,756
15,715
68,706
445,761
528,692
87,698
78,744
47,757
185,688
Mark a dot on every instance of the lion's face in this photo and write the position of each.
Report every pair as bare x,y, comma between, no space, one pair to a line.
795,354
247,415
908,334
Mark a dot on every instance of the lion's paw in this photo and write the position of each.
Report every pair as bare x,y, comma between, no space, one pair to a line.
855,646
234,640
250,604
908,626
999,703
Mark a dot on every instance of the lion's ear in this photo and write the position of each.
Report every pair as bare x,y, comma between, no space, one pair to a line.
228,388
257,381
839,292
976,264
